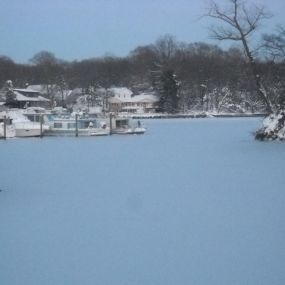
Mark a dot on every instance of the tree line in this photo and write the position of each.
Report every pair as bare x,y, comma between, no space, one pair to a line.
186,76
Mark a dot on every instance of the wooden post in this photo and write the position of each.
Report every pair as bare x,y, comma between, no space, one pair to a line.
76,125
110,123
4,127
41,123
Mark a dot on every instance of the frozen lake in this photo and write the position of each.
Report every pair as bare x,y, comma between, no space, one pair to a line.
190,202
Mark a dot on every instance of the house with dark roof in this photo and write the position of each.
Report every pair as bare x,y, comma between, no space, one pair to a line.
26,98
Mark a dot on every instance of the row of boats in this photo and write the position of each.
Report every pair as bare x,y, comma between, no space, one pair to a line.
35,123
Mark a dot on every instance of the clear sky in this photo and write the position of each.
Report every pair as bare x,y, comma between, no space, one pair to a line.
77,29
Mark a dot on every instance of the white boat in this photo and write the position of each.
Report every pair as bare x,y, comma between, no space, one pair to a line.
80,127
126,126
24,127
29,129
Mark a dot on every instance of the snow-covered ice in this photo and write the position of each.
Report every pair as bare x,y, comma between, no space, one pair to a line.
190,202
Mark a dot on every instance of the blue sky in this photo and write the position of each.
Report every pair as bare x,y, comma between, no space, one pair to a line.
77,29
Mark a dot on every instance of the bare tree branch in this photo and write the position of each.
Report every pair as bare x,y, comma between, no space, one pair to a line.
274,44
238,23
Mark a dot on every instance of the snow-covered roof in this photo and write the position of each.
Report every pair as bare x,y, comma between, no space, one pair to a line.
147,98
142,98
115,100
76,91
121,92
25,90
21,97
45,89
39,87
35,87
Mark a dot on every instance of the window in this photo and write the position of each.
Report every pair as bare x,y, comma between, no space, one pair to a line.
71,125
57,125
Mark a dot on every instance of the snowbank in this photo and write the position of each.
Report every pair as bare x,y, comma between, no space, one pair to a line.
273,127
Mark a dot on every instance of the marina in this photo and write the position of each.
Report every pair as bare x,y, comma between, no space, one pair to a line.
40,123
142,142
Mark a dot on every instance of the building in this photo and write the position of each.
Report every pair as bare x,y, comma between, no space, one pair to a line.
52,91
27,98
123,100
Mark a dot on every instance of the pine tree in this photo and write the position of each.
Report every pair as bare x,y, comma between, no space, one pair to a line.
10,95
168,90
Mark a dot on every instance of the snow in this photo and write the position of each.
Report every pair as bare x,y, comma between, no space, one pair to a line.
16,115
26,90
121,92
21,97
273,127
142,98
41,88
190,202
37,88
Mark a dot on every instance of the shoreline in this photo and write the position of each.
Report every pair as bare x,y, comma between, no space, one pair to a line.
194,116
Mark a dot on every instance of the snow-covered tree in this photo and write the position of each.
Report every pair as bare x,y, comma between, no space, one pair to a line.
274,47
240,21
9,93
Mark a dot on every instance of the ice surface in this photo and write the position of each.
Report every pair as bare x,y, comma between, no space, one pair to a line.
190,202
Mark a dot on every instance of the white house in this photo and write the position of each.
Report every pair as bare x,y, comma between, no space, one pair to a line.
123,100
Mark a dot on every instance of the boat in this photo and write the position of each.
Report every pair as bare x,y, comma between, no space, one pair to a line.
24,127
77,127
121,125
62,123
29,129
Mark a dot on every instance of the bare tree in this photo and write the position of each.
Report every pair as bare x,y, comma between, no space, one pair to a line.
7,69
63,89
49,70
274,44
166,47
239,23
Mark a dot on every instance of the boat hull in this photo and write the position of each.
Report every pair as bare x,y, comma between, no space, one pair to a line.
129,131
29,129
28,132
10,131
81,132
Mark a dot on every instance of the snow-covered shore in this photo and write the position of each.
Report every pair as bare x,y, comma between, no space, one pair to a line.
193,115
273,127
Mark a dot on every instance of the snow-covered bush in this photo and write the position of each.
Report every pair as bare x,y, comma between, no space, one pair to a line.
273,127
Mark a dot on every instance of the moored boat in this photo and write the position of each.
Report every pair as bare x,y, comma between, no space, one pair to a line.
29,129
24,127
121,125
79,127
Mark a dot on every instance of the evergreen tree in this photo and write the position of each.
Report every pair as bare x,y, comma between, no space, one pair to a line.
10,95
168,91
